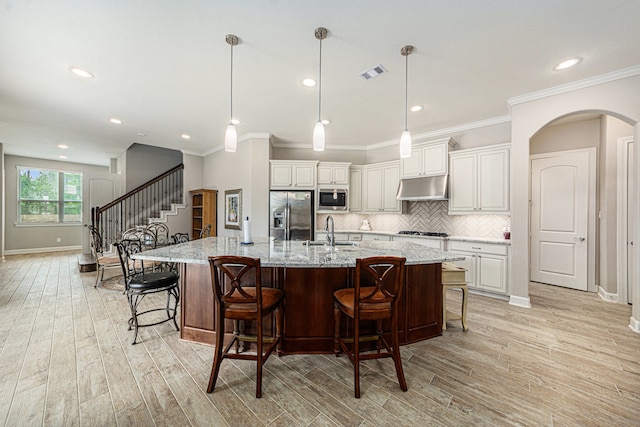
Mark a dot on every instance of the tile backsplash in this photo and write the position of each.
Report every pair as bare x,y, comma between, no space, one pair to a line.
425,216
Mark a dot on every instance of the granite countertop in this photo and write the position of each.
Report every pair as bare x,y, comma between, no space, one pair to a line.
458,238
294,253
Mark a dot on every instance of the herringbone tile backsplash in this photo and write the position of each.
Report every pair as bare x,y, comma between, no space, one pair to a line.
425,216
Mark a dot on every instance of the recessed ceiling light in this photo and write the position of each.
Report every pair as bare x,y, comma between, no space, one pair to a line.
115,121
567,63
185,136
416,108
141,134
63,157
235,121
80,72
326,122
308,82
62,146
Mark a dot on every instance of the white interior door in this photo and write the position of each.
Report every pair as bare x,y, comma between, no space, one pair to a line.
99,188
559,219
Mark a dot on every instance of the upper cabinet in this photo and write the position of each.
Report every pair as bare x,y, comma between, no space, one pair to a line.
333,173
298,174
428,159
380,185
479,180
355,188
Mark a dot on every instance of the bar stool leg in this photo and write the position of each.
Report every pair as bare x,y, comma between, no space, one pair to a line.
444,308
465,297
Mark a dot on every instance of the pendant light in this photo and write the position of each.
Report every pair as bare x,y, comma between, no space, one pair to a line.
231,134
318,130
405,138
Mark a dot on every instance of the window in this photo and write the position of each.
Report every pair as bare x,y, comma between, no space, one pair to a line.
49,196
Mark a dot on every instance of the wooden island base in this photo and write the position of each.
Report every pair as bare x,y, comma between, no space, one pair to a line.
308,312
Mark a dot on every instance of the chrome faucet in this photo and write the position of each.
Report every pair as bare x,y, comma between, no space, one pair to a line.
331,238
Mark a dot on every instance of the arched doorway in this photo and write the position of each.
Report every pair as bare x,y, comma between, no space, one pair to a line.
607,94
574,208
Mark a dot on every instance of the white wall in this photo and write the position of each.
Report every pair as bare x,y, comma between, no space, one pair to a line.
569,136
357,157
246,169
32,238
145,162
192,180
618,98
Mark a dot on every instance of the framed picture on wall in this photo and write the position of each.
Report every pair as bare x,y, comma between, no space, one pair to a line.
233,209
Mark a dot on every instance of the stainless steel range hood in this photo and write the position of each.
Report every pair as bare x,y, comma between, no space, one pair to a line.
425,188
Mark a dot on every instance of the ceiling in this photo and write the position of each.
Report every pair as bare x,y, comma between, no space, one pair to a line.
163,67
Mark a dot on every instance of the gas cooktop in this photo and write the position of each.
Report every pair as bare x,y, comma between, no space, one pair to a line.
423,233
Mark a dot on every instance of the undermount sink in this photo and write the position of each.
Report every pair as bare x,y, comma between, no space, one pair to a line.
325,243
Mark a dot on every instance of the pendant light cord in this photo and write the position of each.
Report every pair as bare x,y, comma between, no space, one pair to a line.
406,89
320,83
231,94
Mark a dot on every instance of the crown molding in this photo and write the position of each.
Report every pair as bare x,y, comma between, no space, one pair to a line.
424,137
328,147
579,84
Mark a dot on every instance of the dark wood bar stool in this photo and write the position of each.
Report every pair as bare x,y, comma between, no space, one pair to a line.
239,295
376,302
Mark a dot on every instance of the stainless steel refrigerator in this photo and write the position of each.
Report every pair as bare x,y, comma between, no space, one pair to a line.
291,215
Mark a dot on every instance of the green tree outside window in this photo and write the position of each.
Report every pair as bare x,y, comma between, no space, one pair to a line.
40,192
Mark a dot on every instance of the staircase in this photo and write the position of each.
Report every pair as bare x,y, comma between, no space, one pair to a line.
151,202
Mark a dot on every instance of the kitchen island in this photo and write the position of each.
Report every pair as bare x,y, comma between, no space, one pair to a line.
309,275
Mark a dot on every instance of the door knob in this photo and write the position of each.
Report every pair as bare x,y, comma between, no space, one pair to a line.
581,239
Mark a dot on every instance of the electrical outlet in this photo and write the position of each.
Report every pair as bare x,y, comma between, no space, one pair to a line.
58,240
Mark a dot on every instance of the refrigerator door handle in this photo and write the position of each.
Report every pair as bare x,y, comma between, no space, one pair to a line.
287,212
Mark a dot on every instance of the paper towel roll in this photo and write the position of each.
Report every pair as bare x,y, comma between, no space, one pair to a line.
246,231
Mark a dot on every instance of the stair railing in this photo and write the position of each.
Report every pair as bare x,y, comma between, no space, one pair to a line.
138,205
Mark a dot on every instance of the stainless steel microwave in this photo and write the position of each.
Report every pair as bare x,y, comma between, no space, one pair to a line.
332,199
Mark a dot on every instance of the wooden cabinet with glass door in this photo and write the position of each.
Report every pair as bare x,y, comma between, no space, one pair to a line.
204,207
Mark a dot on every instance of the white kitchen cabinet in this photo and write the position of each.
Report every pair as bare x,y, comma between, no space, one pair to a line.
486,263
355,188
342,237
380,186
479,180
293,175
333,173
376,237
424,241
428,159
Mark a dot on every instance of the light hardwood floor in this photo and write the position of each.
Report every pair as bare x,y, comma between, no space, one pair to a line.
66,359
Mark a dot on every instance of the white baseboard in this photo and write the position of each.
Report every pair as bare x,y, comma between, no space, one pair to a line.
608,296
520,301
634,325
41,250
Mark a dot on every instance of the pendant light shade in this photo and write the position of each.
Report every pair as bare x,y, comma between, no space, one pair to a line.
318,137
405,138
231,134
405,144
318,130
231,138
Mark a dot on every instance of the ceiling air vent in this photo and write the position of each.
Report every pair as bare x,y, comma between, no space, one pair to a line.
373,72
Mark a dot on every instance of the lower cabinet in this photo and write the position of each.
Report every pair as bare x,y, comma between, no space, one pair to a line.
380,237
486,264
342,237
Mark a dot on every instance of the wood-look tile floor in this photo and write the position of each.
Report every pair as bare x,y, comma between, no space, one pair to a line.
66,359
